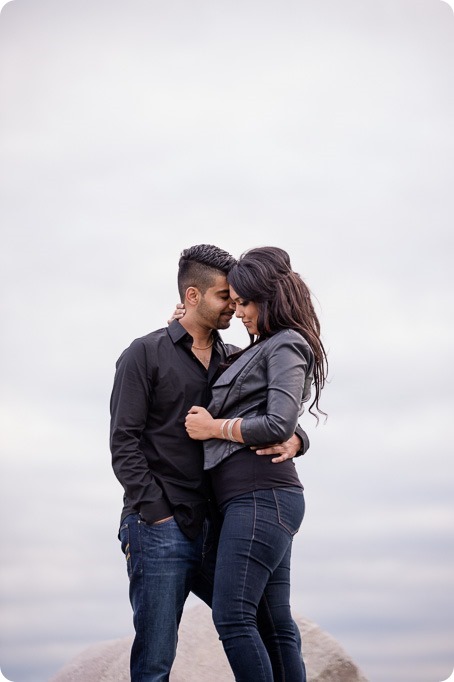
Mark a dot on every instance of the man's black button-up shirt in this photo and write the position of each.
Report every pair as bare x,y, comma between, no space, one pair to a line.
157,380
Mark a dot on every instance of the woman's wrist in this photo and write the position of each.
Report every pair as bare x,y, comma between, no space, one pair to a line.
229,430
224,423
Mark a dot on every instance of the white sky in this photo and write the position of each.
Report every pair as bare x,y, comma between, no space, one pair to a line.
130,131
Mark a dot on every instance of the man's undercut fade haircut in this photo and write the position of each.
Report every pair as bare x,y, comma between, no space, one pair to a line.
200,265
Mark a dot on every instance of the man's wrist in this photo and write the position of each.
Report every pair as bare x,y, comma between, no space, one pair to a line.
150,512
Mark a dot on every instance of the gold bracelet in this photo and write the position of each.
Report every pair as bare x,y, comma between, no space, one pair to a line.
230,435
222,428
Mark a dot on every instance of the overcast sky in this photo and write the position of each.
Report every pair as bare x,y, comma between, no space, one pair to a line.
132,130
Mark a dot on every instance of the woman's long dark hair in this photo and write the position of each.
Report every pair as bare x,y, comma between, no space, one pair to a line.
264,275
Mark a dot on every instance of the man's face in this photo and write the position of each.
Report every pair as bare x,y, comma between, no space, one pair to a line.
216,308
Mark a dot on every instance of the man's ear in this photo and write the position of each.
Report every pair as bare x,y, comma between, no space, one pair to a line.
192,296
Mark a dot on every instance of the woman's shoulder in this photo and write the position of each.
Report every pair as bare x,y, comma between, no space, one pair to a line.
290,337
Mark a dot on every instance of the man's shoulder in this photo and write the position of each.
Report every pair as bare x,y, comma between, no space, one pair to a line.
148,341
152,337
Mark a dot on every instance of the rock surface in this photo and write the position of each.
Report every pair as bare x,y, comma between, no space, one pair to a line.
201,658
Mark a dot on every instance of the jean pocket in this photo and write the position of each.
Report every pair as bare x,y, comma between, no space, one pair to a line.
290,507
157,524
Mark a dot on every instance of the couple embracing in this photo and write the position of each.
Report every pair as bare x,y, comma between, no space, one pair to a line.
203,436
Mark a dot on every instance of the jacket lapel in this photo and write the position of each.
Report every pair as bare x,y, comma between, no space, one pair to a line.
225,383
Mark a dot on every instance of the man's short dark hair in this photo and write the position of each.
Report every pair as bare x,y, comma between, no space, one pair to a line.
199,266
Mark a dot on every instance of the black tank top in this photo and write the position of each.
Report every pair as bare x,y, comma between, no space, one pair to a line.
245,471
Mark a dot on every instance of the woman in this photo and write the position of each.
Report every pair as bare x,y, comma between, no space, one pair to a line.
258,399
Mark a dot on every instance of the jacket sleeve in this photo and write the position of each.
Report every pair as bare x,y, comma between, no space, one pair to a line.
129,406
288,370
305,442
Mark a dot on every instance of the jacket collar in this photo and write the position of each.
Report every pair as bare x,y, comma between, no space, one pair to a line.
237,367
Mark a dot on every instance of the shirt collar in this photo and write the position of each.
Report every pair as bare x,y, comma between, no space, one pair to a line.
177,332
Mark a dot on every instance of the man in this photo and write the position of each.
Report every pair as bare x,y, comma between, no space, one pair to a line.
167,496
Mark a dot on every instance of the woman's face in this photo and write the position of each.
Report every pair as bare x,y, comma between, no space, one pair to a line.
247,311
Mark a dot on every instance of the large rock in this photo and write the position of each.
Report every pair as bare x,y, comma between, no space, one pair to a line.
201,658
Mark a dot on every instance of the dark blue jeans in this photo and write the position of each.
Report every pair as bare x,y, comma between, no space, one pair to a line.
253,566
163,567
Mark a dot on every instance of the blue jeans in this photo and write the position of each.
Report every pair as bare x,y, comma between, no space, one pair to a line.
163,565
253,565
